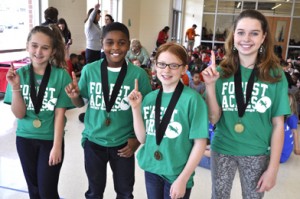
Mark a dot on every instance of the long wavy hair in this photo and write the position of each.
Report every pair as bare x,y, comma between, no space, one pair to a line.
57,42
267,62
65,31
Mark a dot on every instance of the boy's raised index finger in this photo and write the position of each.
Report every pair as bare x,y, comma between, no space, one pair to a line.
136,84
213,59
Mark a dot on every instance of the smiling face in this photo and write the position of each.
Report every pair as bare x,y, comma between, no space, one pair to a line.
115,46
248,37
169,77
40,49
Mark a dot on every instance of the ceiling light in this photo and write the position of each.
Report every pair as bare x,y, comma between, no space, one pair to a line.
276,6
238,5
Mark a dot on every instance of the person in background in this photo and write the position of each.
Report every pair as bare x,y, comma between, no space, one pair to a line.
136,62
205,160
171,118
190,35
196,82
108,19
163,36
62,24
249,134
285,67
195,63
51,16
38,100
78,67
108,136
71,63
291,139
93,34
137,51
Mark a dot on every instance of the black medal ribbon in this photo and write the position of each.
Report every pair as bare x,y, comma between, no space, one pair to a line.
161,126
104,76
37,99
239,96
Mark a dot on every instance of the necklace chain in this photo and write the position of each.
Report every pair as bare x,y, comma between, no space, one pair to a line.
250,65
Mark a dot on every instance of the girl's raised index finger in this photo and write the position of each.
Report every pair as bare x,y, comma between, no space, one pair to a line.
74,79
136,85
12,66
213,59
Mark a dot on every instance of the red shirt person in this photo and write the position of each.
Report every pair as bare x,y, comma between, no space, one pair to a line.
163,36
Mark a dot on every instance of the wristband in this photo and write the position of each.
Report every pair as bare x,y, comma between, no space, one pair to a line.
15,90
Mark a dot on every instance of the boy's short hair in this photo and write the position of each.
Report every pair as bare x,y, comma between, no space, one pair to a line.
195,55
194,25
194,72
73,55
80,57
116,26
51,13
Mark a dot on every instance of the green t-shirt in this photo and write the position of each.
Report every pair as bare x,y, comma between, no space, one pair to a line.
189,121
267,101
121,127
55,97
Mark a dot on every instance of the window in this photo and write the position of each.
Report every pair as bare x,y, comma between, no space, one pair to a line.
176,21
14,22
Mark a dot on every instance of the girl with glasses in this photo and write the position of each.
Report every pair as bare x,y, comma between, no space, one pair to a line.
172,125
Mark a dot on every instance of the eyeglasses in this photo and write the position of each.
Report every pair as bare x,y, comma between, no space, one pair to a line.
172,66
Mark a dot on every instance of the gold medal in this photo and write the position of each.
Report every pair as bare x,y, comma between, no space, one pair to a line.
239,127
157,155
107,121
37,123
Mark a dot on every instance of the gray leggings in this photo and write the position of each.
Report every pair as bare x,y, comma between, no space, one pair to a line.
223,170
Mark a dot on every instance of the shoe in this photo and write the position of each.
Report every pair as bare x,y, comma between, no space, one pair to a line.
81,117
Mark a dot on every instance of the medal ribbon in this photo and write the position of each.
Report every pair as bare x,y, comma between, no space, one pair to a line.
162,126
241,104
37,99
104,76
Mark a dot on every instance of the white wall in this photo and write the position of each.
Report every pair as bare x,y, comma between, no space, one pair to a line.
147,19
155,15
130,16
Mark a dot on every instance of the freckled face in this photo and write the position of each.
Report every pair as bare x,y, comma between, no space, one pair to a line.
169,77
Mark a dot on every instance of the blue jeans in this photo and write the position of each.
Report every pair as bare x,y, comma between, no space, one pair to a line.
159,188
205,162
42,179
96,159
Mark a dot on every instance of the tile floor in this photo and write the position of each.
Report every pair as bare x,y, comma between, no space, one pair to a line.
73,182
